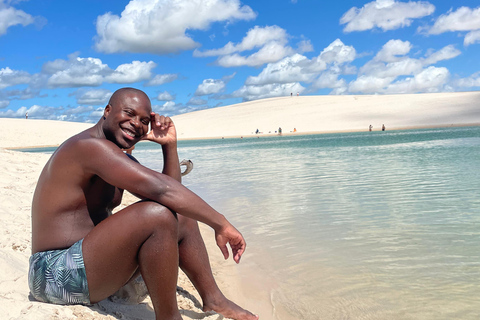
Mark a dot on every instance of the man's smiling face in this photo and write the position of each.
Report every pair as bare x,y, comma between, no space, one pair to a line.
127,118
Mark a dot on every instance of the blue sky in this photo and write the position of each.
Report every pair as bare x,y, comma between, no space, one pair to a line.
63,59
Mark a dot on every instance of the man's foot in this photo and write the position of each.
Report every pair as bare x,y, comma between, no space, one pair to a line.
229,309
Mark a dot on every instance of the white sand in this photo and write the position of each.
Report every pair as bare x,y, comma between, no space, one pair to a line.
308,114
320,114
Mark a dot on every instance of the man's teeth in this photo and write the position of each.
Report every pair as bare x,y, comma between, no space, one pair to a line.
131,134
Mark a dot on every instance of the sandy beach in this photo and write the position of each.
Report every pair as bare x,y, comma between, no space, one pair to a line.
327,114
308,114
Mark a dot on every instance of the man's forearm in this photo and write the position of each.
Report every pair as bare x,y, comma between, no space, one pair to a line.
171,166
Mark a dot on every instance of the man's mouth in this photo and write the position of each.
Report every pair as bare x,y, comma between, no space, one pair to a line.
130,133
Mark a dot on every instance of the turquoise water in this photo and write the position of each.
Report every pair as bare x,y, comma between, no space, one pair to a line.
374,225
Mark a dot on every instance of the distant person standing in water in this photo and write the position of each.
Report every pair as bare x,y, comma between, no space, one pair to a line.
82,253
383,127
279,130
370,127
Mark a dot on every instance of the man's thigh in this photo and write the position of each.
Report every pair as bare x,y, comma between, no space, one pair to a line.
111,249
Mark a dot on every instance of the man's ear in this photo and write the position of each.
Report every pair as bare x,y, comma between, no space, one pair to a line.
107,111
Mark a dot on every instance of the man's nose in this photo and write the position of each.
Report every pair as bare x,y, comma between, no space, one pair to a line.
135,121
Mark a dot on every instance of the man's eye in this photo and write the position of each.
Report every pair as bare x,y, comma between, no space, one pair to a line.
145,122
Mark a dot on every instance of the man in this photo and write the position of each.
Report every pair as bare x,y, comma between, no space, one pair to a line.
81,253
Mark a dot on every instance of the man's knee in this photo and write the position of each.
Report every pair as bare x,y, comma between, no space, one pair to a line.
156,215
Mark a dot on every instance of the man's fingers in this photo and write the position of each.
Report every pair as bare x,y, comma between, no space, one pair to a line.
224,250
159,121
237,252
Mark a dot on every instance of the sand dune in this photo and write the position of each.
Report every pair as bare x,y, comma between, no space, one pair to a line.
320,114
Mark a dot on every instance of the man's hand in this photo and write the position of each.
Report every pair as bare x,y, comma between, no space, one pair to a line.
232,236
162,130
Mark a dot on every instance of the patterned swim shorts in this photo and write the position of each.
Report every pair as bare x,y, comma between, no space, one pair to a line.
58,276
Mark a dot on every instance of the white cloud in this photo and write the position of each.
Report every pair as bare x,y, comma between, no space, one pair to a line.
304,46
76,72
23,94
270,41
165,96
330,80
210,86
385,14
298,68
160,79
445,53
132,72
196,101
391,51
165,109
4,104
78,110
253,92
369,84
95,115
9,77
270,52
159,26
34,111
470,82
471,38
92,72
255,38
288,70
10,16
392,60
19,113
393,71
431,79
94,97
338,53
463,19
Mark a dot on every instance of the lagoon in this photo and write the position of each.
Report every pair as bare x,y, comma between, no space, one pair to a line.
368,225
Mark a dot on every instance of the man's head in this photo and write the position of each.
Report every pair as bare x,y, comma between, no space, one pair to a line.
126,117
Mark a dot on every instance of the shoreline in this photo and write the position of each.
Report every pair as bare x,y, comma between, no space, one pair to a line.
286,134
260,135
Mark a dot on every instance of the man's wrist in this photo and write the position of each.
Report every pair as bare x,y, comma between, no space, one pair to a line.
170,145
220,223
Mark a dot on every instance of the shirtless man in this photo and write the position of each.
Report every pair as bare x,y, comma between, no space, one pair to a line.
81,253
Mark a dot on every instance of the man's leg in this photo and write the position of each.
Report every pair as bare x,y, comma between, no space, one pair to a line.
142,235
196,265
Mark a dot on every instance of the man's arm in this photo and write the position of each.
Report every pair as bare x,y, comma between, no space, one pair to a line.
164,133
103,158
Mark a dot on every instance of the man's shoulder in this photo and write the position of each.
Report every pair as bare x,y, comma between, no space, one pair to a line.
84,144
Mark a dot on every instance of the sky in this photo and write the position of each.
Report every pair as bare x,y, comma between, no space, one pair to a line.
62,60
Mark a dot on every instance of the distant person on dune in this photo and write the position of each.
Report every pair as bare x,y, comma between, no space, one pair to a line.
82,253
